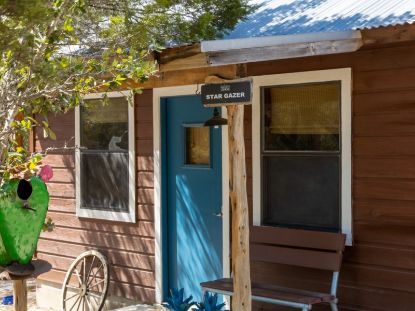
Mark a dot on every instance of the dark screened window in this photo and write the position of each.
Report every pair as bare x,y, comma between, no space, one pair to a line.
104,155
301,156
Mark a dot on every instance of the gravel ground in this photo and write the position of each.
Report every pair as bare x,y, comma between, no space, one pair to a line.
6,289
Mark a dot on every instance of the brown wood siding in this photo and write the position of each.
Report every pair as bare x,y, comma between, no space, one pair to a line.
129,247
379,270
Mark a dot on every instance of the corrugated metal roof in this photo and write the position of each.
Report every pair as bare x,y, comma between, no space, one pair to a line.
284,17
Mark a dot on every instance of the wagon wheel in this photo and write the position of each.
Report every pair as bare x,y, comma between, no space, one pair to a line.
86,283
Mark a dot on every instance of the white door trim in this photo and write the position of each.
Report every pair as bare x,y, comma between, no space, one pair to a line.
158,94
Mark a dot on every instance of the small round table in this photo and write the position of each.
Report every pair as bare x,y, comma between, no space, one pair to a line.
19,283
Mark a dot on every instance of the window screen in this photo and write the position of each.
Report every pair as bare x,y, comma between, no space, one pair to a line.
301,156
302,117
104,155
301,191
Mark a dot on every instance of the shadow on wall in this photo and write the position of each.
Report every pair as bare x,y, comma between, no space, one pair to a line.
129,247
197,261
300,16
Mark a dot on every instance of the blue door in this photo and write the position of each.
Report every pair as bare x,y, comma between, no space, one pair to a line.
193,198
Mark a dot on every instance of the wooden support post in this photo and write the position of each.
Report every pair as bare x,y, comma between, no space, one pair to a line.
20,295
241,299
241,269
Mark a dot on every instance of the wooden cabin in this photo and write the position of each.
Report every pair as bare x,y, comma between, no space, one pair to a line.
348,166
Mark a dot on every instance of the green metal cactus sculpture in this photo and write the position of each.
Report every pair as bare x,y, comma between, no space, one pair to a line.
4,257
23,208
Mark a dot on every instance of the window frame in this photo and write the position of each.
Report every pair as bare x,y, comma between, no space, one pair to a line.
344,75
84,212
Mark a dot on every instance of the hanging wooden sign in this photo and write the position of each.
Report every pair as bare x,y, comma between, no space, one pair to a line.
229,93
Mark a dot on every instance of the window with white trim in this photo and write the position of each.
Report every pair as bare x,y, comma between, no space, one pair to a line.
105,183
302,168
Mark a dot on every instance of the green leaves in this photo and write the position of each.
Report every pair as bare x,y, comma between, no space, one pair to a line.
20,163
67,25
54,52
116,20
47,131
48,226
57,4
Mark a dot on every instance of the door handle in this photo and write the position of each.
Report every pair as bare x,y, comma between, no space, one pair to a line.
220,214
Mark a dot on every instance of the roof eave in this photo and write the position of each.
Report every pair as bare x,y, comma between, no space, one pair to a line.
237,51
259,42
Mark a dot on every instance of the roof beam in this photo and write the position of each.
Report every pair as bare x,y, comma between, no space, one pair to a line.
260,42
284,51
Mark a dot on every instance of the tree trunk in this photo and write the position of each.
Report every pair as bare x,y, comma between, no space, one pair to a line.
6,131
239,206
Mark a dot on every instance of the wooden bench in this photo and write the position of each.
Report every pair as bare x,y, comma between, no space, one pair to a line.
302,248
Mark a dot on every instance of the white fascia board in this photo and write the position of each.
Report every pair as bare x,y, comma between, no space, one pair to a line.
247,43
277,52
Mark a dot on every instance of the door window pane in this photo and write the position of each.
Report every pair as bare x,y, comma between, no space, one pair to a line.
197,145
302,117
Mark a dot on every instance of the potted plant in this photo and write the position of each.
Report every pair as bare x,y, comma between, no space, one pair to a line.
210,303
177,302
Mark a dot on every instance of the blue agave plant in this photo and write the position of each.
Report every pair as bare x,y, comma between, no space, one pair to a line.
210,303
176,302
